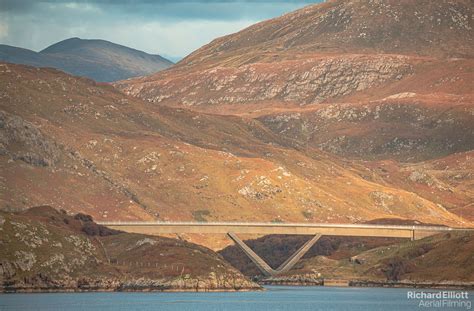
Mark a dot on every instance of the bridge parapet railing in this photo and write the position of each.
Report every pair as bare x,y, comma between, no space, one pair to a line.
267,224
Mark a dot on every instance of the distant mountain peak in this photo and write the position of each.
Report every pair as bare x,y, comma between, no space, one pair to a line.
75,42
97,59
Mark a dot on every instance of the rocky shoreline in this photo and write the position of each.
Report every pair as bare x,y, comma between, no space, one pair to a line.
5,290
140,285
412,284
304,280
164,287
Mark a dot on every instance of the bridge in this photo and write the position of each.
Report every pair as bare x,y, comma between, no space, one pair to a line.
313,229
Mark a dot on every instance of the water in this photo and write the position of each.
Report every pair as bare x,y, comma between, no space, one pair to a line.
275,298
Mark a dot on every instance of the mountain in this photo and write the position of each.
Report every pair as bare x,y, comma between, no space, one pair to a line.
360,79
423,28
96,59
43,248
86,147
304,136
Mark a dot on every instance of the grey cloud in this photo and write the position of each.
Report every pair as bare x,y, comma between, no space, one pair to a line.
167,27
167,9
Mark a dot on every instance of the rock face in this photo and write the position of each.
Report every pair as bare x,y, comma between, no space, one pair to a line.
327,36
21,140
303,82
96,59
47,250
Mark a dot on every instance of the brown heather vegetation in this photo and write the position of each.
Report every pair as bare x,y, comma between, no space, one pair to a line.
78,145
342,112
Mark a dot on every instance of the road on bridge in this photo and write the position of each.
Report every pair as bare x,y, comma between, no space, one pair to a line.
368,230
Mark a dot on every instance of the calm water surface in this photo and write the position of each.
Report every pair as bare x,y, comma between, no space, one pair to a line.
274,298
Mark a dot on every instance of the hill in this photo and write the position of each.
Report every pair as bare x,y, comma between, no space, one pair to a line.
360,79
45,249
425,28
85,147
96,59
307,135
441,260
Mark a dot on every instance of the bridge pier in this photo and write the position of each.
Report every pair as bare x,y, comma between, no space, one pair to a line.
257,260
293,259
263,266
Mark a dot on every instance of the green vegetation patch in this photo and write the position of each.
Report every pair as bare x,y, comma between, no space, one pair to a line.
200,215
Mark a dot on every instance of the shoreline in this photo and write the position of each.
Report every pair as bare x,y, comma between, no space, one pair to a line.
351,283
374,284
107,290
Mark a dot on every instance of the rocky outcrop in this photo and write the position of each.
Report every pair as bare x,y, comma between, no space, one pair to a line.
43,283
307,279
414,284
21,140
303,82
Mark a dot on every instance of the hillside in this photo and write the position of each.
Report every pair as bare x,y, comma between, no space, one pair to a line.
360,79
96,59
45,249
426,28
74,144
307,135
439,259
358,44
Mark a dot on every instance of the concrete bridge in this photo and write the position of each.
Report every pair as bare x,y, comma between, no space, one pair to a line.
315,230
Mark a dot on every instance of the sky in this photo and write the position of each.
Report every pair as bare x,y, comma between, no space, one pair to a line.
171,28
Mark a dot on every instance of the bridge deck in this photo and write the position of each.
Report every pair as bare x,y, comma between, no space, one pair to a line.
394,231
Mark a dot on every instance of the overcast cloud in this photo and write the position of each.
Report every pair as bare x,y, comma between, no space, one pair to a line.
170,28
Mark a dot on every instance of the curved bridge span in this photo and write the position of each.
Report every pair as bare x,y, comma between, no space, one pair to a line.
314,230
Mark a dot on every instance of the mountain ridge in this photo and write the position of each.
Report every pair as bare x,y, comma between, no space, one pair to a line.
100,60
356,26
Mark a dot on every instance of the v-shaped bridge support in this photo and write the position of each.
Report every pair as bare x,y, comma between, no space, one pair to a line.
263,266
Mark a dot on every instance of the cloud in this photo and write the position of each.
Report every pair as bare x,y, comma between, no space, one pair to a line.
199,9
173,28
3,30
